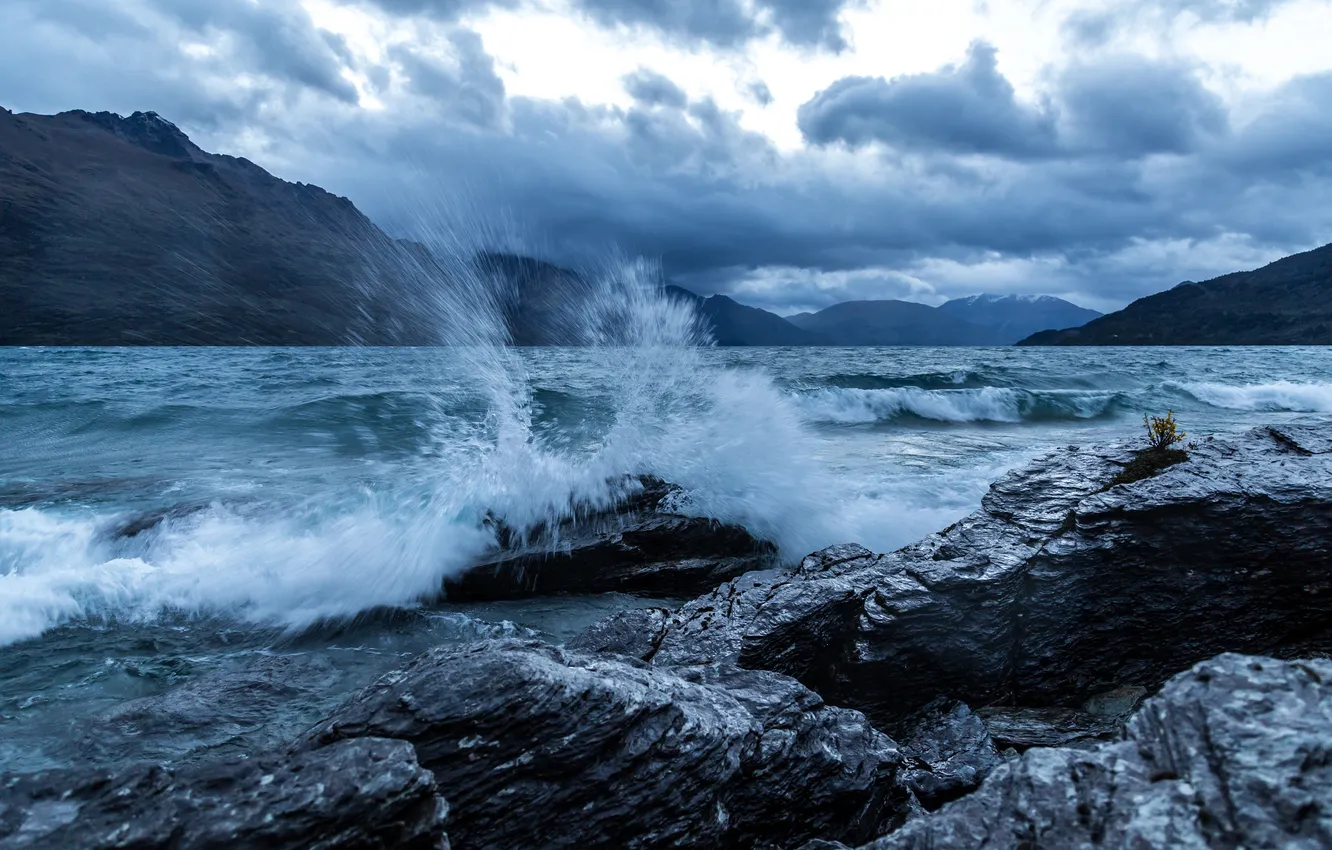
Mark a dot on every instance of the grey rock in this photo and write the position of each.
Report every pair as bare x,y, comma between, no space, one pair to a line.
366,793
1022,728
592,751
948,752
1060,587
1235,753
634,632
639,545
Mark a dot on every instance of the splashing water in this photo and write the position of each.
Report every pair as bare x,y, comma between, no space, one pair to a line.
732,440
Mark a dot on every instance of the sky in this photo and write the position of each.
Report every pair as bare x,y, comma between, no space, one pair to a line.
789,153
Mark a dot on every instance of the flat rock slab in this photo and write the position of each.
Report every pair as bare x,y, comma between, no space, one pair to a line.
538,746
366,793
1235,753
640,545
1057,589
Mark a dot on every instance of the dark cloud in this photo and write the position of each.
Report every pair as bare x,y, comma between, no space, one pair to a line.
968,108
809,23
468,91
1133,107
439,10
1291,137
1091,28
1098,191
722,23
277,38
62,54
1097,27
654,89
760,92
1121,106
728,23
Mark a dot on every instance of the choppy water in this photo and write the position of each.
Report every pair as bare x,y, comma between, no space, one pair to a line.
304,487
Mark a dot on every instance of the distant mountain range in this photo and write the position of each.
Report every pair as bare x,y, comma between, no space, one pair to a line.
977,320
1288,302
122,231
1014,317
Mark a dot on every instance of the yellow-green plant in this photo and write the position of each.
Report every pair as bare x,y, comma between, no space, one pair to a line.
1163,431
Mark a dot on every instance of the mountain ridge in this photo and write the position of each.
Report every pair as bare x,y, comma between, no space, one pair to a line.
122,231
1014,317
1286,302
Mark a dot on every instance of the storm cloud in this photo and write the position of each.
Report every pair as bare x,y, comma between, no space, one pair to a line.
967,108
728,23
1118,175
654,89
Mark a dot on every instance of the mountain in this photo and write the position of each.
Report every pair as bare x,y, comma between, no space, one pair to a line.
1015,317
122,231
892,323
732,323
1288,302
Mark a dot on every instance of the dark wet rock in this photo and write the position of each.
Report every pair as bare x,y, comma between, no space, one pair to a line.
264,704
1023,728
1100,718
1237,752
1056,589
364,793
597,751
948,752
634,632
640,545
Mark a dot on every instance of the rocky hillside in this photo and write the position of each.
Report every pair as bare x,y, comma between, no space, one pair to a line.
1288,302
733,323
123,231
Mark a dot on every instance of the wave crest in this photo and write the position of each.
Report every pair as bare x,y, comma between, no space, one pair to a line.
987,404
1311,397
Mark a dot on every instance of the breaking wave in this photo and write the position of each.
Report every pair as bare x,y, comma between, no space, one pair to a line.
390,536
988,404
1312,397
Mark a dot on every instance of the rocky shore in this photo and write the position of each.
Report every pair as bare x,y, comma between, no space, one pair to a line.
1062,668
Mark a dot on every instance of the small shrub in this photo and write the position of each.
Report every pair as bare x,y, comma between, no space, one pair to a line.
1163,435
1162,431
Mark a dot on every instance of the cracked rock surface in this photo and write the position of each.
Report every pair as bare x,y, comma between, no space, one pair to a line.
582,750
364,793
1235,753
1060,587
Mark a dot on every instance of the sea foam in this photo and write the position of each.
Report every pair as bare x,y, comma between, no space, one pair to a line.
1310,397
735,443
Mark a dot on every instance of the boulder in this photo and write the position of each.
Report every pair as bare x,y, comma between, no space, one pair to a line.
639,545
364,793
594,751
634,632
1236,752
1061,586
947,753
